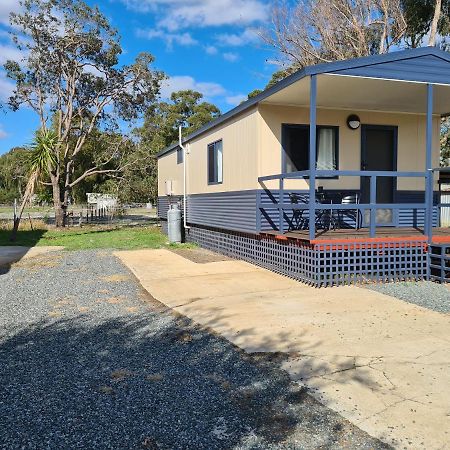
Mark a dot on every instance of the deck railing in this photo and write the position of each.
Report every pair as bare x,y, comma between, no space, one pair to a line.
372,206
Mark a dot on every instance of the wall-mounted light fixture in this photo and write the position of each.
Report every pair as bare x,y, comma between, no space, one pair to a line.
353,122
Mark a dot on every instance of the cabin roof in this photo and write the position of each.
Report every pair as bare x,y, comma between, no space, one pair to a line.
420,65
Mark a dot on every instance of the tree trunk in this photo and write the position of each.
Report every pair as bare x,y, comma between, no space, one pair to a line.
65,205
27,195
434,23
57,204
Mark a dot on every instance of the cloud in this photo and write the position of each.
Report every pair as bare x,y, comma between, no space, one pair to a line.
235,100
7,7
3,133
184,39
237,39
230,56
185,82
8,52
179,14
6,87
211,50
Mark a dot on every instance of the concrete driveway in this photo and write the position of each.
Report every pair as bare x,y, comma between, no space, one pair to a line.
380,362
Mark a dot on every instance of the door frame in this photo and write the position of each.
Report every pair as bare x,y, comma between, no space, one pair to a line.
394,128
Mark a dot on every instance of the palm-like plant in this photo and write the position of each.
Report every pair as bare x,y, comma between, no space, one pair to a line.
42,159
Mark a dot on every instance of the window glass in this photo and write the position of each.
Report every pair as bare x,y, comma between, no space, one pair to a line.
215,162
296,148
326,149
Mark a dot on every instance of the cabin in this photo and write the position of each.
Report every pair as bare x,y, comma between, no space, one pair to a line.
329,177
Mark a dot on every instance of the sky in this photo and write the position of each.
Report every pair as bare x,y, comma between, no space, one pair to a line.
211,46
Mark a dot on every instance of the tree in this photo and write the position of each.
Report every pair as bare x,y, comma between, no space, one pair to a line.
445,142
42,160
70,77
434,23
185,109
160,129
315,31
13,174
426,20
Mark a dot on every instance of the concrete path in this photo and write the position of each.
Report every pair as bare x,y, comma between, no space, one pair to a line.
380,362
12,254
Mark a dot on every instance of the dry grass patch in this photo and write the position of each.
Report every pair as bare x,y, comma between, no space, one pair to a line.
37,263
120,374
155,377
116,278
106,390
221,381
184,337
115,300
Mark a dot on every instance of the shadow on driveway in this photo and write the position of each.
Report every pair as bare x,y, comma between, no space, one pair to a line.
152,382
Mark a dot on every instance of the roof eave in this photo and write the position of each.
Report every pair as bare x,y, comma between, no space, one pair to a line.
328,67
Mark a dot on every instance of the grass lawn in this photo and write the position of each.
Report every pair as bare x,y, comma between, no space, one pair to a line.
89,237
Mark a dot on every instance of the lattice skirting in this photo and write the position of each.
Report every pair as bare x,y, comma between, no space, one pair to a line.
440,263
320,264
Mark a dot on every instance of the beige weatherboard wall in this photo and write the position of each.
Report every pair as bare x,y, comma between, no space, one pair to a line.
240,155
410,151
168,169
252,147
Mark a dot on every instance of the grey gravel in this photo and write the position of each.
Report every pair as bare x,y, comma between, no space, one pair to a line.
88,360
427,294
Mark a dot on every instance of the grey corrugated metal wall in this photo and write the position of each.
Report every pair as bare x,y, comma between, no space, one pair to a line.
227,210
237,210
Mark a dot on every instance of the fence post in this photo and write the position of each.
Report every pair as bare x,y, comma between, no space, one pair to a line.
373,204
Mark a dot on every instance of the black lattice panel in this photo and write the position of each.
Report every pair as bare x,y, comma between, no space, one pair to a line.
321,264
440,263
376,262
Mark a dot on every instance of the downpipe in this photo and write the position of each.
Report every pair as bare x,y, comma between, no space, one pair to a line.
185,153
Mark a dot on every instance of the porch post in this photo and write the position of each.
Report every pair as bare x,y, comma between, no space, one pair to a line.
312,156
429,173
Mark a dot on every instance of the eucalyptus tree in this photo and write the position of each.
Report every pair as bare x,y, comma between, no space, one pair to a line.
307,32
185,108
71,78
428,22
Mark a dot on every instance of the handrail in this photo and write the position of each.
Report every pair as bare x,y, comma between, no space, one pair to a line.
344,173
352,206
372,205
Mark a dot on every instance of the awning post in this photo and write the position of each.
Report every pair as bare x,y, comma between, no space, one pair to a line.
312,156
428,162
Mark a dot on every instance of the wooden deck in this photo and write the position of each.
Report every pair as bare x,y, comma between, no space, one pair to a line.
440,235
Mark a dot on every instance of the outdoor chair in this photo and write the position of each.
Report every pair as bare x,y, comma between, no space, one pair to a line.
298,221
353,214
324,218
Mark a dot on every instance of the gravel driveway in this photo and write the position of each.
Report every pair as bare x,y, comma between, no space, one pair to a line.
89,360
